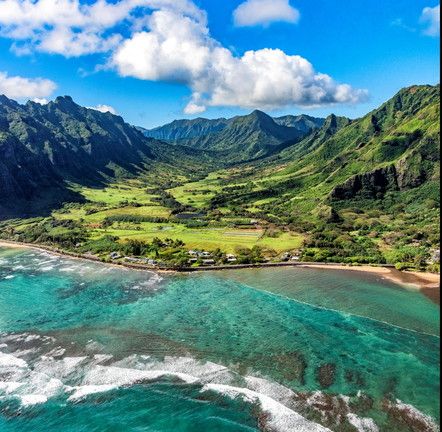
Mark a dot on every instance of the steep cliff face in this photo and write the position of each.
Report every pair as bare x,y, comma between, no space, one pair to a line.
22,172
77,142
418,166
42,147
369,185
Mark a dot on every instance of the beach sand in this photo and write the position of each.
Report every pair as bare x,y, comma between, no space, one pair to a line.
428,283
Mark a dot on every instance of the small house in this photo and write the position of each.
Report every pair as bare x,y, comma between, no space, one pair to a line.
115,255
231,258
209,262
133,260
286,256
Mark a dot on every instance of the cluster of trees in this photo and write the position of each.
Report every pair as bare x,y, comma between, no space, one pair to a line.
254,255
168,251
65,233
166,199
332,244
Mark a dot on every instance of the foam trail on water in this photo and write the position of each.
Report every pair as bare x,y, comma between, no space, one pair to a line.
281,418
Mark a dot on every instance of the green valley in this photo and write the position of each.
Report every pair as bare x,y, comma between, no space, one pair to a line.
244,190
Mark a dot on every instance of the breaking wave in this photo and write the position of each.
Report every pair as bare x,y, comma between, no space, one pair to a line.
41,370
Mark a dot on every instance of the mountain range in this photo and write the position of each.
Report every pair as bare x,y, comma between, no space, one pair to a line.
46,148
240,138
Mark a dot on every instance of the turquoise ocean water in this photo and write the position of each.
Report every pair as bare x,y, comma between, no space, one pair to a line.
88,347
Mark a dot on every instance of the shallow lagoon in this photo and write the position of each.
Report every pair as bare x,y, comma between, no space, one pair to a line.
91,347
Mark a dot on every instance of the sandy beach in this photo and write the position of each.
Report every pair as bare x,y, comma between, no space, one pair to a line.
428,283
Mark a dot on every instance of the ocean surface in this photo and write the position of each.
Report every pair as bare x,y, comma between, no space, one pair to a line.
88,347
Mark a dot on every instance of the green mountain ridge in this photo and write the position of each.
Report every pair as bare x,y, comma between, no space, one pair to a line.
240,138
360,190
44,147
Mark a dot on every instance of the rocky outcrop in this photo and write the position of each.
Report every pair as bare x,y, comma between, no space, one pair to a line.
370,185
408,173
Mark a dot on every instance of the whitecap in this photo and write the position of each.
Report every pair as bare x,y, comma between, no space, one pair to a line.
47,268
281,418
9,386
8,361
33,399
83,391
111,375
362,424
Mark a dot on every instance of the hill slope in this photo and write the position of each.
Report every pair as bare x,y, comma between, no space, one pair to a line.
45,146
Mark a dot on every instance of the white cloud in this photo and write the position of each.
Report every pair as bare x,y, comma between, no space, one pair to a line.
41,101
431,19
264,12
169,40
104,109
180,49
72,29
17,87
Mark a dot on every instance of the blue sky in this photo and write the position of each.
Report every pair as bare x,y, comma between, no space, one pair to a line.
104,57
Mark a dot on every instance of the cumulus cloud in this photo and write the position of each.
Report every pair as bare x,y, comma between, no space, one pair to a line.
264,12
17,87
41,101
169,40
104,109
72,29
431,19
180,49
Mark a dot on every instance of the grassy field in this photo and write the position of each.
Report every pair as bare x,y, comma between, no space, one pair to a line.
198,194
118,200
227,239
113,195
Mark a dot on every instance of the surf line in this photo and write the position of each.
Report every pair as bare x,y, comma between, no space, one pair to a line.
348,314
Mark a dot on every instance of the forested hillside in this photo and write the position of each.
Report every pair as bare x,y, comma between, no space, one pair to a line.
364,190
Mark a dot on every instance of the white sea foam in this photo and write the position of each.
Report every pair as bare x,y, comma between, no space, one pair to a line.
150,283
8,361
111,375
281,418
50,376
272,389
31,338
9,387
83,391
101,358
362,424
415,414
8,277
33,399
47,268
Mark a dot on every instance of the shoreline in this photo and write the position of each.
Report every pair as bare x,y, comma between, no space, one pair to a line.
427,283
